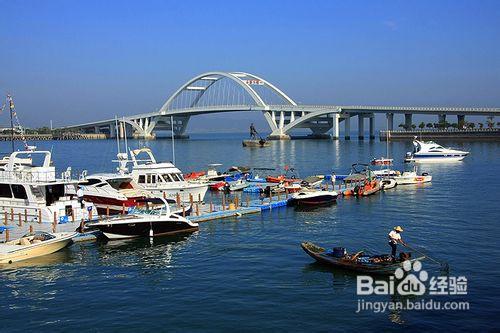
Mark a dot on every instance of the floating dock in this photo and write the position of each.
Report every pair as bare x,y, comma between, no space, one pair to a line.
200,213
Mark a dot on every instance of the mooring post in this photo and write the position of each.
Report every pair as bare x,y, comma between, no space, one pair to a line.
123,206
12,214
183,211
177,199
199,197
25,215
31,229
39,216
223,202
20,219
5,218
236,202
7,235
54,225
107,211
197,209
191,199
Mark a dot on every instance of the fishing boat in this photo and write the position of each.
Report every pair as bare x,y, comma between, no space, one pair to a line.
411,177
358,262
431,152
312,198
32,245
145,221
163,178
256,143
361,181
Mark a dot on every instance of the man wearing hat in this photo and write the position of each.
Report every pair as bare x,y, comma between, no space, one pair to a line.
394,239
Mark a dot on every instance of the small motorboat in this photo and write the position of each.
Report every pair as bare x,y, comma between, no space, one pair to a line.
275,179
388,183
431,152
411,177
382,161
312,198
357,262
237,185
256,143
365,188
144,222
35,244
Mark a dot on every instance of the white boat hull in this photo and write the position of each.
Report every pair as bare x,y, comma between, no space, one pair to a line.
412,179
197,191
437,159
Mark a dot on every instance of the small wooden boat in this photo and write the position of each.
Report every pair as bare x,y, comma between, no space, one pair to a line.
358,262
256,143
32,245
312,198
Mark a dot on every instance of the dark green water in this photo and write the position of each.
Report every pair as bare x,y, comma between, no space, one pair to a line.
249,273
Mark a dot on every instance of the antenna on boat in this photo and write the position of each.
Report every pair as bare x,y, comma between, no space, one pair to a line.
125,134
173,138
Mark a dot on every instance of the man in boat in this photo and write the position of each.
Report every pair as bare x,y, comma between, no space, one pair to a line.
253,132
79,195
394,239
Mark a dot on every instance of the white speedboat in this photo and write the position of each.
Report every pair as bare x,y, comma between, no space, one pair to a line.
112,192
388,183
312,198
163,179
411,177
431,152
145,221
34,245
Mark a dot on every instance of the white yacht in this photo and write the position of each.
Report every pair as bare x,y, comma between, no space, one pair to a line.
431,152
112,192
163,178
31,192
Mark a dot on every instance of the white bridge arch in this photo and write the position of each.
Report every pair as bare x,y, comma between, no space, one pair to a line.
219,91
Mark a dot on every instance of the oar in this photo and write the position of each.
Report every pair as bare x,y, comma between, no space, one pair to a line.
443,264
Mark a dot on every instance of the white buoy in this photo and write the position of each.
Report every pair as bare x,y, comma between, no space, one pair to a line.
151,232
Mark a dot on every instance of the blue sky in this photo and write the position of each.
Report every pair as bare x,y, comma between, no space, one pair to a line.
79,61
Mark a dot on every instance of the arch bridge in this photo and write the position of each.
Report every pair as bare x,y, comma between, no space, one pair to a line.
214,92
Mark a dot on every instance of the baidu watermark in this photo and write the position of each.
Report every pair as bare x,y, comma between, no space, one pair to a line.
412,280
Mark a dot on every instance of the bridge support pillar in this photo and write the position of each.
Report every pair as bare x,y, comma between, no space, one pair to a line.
461,121
335,126
390,121
361,127
408,121
347,127
372,127
441,120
